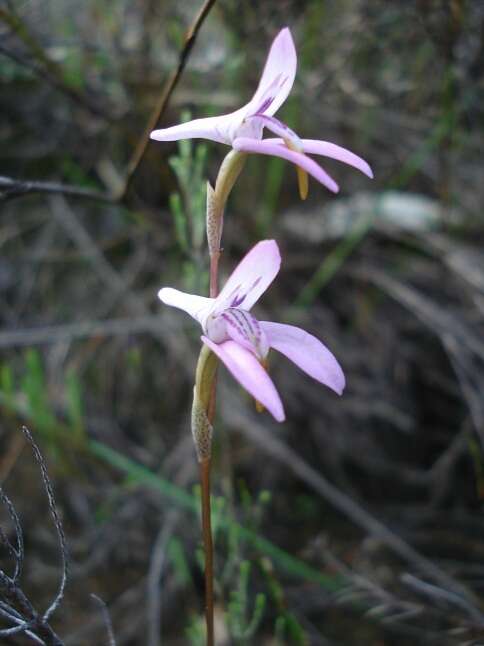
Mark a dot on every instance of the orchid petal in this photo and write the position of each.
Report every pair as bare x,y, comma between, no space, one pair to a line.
267,147
214,128
199,307
277,78
251,277
247,370
327,149
307,352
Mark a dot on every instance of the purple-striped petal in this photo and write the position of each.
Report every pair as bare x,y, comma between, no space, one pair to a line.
197,306
277,78
307,352
245,368
251,277
327,149
266,147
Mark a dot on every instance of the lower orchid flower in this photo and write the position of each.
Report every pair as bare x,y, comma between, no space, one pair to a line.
243,129
242,342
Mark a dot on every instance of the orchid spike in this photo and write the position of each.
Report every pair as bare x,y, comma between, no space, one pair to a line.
242,342
243,129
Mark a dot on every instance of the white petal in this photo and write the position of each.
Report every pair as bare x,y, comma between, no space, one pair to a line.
197,306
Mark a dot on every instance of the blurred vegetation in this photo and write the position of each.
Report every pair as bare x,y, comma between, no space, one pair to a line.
390,274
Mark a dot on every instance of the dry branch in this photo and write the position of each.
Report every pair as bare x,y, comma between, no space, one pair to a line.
166,93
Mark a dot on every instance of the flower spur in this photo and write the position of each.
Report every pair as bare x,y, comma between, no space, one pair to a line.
242,342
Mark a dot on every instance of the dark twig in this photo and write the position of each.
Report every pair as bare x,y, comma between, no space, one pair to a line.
18,553
57,522
166,93
28,621
11,188
15,607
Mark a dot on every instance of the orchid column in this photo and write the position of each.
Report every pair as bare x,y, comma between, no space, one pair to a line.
231,333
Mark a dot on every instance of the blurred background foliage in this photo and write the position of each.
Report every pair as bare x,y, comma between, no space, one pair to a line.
390,274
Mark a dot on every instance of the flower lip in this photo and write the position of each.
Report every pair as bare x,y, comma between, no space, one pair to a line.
245,329
279,128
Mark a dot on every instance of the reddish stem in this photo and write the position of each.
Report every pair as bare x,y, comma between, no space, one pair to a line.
205,469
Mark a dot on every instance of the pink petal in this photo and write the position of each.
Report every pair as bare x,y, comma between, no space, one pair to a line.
251,277
317,147
307,352
277,78
245,368
197,306
214,128
266,147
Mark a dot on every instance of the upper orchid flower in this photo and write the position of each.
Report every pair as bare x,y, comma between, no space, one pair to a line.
243,128
242,342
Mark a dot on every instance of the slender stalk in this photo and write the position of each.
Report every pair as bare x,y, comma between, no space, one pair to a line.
216,199
205,468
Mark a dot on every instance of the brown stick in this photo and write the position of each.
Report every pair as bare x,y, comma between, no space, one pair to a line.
10,188
166,93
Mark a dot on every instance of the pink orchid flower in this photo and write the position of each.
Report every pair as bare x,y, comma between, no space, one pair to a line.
242,342
243,128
